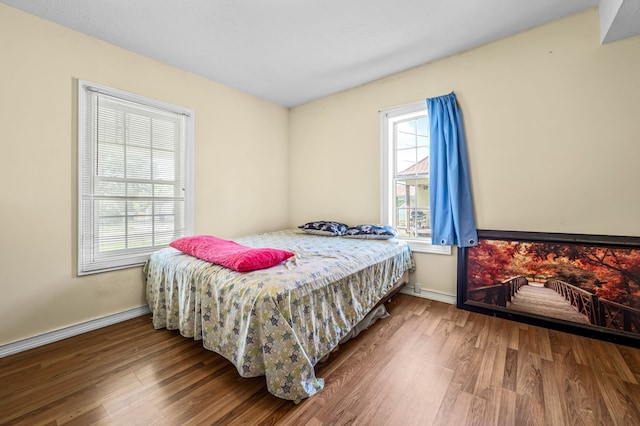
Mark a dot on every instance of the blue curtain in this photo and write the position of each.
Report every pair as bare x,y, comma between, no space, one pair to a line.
452,219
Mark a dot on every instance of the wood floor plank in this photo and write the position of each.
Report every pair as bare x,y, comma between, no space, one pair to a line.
425,393
619,402
510,373
551,394
454,409
427,364
507,408
631,359
622,369
574,391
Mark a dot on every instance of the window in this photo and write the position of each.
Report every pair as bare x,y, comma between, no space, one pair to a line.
134,178
405,175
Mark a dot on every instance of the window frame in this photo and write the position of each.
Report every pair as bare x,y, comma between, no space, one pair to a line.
388,118
88,261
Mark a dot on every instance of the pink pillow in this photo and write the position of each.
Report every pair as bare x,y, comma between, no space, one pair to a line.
229,253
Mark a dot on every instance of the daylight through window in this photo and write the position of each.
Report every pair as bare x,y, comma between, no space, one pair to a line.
405,172
134,177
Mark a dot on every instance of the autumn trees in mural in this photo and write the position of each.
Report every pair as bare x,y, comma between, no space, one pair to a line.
599,282
611,273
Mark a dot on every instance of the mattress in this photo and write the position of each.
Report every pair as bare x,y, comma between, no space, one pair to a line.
277,322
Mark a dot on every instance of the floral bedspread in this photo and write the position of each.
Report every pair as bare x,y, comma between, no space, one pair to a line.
280,321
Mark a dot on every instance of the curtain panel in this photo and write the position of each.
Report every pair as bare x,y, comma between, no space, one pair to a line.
452,216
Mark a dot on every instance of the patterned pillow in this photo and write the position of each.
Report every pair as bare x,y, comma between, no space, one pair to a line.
321,227
371,232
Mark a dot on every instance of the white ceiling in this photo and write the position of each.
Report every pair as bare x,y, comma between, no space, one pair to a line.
293,51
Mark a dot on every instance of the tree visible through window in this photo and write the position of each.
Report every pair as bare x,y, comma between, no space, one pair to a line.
133,185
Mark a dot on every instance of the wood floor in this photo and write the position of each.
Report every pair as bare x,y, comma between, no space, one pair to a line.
429,363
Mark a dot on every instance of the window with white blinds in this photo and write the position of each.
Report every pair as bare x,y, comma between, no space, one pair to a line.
135,163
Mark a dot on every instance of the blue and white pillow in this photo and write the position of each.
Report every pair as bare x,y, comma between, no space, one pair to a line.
371,232
321,227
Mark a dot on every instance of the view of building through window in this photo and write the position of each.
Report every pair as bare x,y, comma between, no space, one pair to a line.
411,145
404,134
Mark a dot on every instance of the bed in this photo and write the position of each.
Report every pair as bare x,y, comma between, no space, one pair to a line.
277,322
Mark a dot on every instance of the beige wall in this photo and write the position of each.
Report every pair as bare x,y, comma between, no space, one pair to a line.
553,128
551,117
240,168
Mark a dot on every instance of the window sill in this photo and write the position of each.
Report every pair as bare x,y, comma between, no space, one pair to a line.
418,246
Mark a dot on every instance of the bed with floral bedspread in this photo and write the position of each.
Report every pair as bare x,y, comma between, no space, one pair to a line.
277,322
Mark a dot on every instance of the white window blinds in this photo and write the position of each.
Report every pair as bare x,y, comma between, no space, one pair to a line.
132,177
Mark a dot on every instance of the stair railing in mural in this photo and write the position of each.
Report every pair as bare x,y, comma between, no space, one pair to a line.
597,311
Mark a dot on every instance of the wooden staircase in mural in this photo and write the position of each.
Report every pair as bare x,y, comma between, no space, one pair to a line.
558,299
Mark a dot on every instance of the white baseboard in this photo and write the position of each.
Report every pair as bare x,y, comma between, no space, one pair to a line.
430,294
74,330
